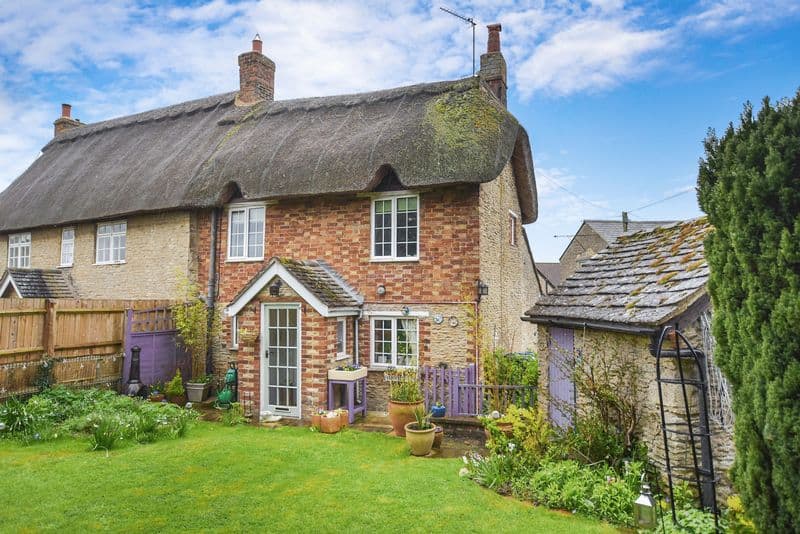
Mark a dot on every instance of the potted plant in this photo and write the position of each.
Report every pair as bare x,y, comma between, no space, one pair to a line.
405,396
247,336
316,419
174,390
351,371
438,410
198,387
420,433
330,423
156,392
196,326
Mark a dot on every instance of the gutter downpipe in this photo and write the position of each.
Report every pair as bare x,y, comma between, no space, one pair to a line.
212,285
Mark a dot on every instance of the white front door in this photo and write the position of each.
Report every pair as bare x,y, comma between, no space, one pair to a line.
280,359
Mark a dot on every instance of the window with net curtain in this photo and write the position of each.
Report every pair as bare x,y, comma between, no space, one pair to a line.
246,233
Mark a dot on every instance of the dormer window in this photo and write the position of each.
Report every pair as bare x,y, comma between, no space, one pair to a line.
19,251
395,228
246,232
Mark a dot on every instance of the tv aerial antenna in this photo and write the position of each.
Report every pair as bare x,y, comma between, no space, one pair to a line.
468,20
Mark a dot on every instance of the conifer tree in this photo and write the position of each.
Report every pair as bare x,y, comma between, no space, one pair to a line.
749,185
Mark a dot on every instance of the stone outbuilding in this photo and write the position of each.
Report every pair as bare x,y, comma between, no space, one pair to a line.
608,316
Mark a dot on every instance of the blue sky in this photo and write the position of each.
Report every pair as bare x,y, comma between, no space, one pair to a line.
616,96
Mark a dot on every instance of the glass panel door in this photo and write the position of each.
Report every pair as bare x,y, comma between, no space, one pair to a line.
281,360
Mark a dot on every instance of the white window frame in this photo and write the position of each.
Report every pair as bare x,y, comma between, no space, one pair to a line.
235,332
393,363
247,208
513,226
64,242
22,262
113,234
341,354
393,196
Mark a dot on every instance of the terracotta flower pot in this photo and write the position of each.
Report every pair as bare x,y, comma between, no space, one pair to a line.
156,397
402,413
316,420
438,435
421,441
344,417
180,400
330,425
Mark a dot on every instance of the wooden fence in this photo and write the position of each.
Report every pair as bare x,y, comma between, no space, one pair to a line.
82,339
460,392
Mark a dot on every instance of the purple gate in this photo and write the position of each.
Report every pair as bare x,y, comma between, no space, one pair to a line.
154,331
459,391
559,372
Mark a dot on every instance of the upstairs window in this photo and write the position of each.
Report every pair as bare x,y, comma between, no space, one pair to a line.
111,243
246,233
395,228
67,247
19,251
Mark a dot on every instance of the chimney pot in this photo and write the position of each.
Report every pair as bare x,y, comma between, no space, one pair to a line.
494,38
66,110
258,45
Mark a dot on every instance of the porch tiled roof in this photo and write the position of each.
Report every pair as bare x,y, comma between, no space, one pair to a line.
322,280
40,283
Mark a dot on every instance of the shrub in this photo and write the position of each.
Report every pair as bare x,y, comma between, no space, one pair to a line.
106,433
494,472
533,438
174,388
503,368
234,415
404,386
597,491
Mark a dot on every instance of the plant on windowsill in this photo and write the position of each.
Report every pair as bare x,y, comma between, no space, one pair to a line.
420,433
196,325
405,395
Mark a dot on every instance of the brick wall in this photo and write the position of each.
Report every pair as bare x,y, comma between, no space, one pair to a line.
157,250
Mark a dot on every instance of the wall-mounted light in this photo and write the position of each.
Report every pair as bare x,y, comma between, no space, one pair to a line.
405,310
381,291
483,289
275,289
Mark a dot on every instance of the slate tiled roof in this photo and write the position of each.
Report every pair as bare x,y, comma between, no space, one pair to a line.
189,155
610,230
40,283
322,280
551,271
643,279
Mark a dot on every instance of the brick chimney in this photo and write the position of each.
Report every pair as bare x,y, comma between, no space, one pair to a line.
256,76
65,121
493,65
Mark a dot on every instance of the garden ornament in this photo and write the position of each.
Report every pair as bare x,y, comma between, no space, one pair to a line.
644,508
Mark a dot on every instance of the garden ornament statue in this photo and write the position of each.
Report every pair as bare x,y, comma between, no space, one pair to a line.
644,508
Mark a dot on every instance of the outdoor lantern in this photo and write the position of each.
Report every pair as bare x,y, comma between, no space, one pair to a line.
483,290
275,289
644,509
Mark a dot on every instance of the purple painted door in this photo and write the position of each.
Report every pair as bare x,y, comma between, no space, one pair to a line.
559,372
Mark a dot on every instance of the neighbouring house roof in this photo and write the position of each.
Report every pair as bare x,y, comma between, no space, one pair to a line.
189,155
644,279
610,230
551,272
37,283
314,280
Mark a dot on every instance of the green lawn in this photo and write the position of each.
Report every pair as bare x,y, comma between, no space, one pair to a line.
255,479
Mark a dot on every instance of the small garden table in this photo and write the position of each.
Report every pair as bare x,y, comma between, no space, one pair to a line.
350,396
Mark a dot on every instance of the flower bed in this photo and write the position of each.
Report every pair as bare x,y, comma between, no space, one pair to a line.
107,419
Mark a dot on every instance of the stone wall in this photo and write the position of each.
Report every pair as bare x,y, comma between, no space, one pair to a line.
629,355
158,253
585,244
507,269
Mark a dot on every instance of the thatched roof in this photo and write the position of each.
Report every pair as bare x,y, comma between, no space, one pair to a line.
644,279
184,156
37,283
